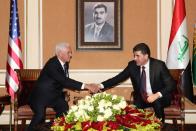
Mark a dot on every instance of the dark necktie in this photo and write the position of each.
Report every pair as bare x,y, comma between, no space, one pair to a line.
66,70
97,31
143,84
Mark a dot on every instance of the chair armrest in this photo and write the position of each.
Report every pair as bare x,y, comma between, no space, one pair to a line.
182,103
131,98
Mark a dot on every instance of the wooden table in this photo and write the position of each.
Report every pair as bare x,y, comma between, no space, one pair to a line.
6,100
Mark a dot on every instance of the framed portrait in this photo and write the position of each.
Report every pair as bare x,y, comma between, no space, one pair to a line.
99,25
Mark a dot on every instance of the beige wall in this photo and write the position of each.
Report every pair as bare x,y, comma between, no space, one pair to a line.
139,25
4,28
44,23
191,20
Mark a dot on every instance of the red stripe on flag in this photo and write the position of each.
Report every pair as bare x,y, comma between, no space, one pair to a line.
12,73
178,17
18,43
13,55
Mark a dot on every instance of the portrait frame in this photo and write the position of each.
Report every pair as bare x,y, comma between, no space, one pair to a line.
85,17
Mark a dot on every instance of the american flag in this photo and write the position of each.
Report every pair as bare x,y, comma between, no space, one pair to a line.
14,58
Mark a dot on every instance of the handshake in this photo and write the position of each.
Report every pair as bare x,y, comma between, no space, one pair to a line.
93,88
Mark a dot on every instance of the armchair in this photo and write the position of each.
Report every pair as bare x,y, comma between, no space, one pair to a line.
176,110
22,111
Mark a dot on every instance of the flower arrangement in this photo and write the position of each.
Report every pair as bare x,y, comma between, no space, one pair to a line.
105,112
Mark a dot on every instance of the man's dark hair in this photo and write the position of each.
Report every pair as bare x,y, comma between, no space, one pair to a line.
143,48
100,5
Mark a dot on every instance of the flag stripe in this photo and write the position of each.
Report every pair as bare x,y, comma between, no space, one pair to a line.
12,73
15,58
12,63
178,16
11,83
14,44
176,58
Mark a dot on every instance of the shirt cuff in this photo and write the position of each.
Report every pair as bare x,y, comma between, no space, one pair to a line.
101,86
82,87
160,95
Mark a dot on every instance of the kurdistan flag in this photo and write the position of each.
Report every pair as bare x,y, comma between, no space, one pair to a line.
194,56
178,50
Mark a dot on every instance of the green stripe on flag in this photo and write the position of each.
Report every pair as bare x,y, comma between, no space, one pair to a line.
194,63
194,57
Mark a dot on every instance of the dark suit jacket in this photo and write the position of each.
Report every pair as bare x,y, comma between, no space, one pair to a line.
106,34
51,82
160,78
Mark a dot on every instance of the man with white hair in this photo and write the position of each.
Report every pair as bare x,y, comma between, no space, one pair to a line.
48,91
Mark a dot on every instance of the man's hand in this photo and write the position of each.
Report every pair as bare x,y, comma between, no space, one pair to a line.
151,98
94,88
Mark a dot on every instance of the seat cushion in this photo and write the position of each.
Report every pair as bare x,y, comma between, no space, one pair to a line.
172,111
26,111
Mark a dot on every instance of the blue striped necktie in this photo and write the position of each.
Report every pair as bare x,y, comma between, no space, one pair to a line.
66,70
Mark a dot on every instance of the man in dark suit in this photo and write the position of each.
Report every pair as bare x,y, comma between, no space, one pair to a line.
153,90
99,30
48,91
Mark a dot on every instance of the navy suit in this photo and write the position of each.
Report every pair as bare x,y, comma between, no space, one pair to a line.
160,80
106,34
48,91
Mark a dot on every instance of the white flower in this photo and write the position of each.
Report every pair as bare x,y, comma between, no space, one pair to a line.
100,118
101,109
114,97
107,113
74,108
102,103
116,107
97,107
108,104
90,108
81,102
123,104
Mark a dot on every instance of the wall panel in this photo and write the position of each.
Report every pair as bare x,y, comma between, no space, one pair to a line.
4,28
139,25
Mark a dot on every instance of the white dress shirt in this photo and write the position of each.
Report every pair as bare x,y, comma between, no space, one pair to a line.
148,85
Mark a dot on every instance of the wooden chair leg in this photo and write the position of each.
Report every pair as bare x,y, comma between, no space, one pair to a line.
175,121
182,124
10,121
23,124
15,125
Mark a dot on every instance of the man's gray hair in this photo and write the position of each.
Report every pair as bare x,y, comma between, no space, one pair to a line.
61,46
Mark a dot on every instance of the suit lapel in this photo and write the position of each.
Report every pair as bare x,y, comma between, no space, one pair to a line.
151,72
138,75
59,65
